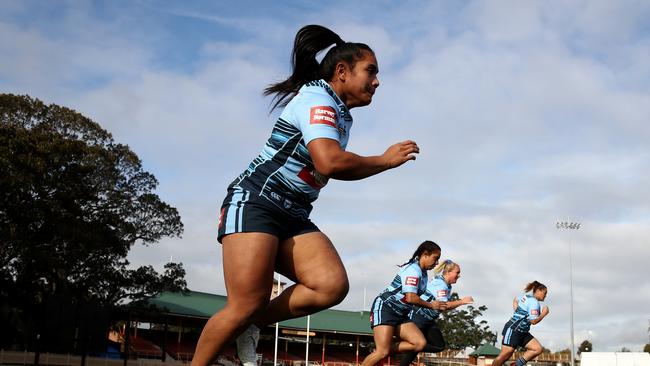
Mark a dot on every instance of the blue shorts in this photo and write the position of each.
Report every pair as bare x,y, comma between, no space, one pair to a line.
244,211
382,313
422,322
515,338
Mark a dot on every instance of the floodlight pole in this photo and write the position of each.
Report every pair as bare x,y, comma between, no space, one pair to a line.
278,289
566,225
307,342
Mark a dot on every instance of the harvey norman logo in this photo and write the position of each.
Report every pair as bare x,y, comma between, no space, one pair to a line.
323,115
412,281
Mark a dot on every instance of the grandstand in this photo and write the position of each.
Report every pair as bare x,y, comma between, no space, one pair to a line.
335,336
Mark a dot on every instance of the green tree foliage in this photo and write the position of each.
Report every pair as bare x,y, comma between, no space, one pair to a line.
72,204
462,329
585,346
646,348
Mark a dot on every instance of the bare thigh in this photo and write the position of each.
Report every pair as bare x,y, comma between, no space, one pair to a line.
410,333
534,346
383,335
248,262
311,260
248,265
506,352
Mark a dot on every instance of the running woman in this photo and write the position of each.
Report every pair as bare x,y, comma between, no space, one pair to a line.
390,310
528,310
264,223
439,289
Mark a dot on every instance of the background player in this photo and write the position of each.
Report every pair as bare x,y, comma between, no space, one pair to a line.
389,312
516,331
439,289
264,222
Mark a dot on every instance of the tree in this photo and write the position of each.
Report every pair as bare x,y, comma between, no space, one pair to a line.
625,349
461,328
646,348
72,204
585,346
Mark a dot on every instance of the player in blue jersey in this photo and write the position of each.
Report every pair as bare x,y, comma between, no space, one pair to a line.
264,223
439,289
528,311
390,309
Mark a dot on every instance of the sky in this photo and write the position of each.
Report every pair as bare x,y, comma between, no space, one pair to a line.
526,113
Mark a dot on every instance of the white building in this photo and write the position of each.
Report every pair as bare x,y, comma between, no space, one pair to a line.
615,359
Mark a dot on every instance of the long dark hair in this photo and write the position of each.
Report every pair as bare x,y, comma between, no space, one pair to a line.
427,246
310,40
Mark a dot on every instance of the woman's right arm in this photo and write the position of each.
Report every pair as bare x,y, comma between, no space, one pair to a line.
456,303
413,299
333,162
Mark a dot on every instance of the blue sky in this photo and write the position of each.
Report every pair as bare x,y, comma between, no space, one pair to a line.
525,112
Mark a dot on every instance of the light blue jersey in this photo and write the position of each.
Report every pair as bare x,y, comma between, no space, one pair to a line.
410,278
528,308
284,173
437,290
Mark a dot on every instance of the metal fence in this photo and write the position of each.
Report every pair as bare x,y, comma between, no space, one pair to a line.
55,359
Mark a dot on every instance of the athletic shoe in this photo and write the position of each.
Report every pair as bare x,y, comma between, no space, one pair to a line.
247,345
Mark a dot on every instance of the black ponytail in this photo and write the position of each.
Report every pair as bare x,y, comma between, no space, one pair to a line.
427,246
310,40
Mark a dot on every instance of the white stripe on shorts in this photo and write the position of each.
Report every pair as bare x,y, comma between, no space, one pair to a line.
231,222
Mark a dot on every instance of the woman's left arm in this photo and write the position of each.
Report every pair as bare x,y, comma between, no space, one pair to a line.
541,316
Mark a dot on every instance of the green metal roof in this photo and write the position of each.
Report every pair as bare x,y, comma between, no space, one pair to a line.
194,304
335,321
204,305
486,350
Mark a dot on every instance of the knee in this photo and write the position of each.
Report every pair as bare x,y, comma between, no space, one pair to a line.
503,356
332,290
382,353
245,310
338,292
420,344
